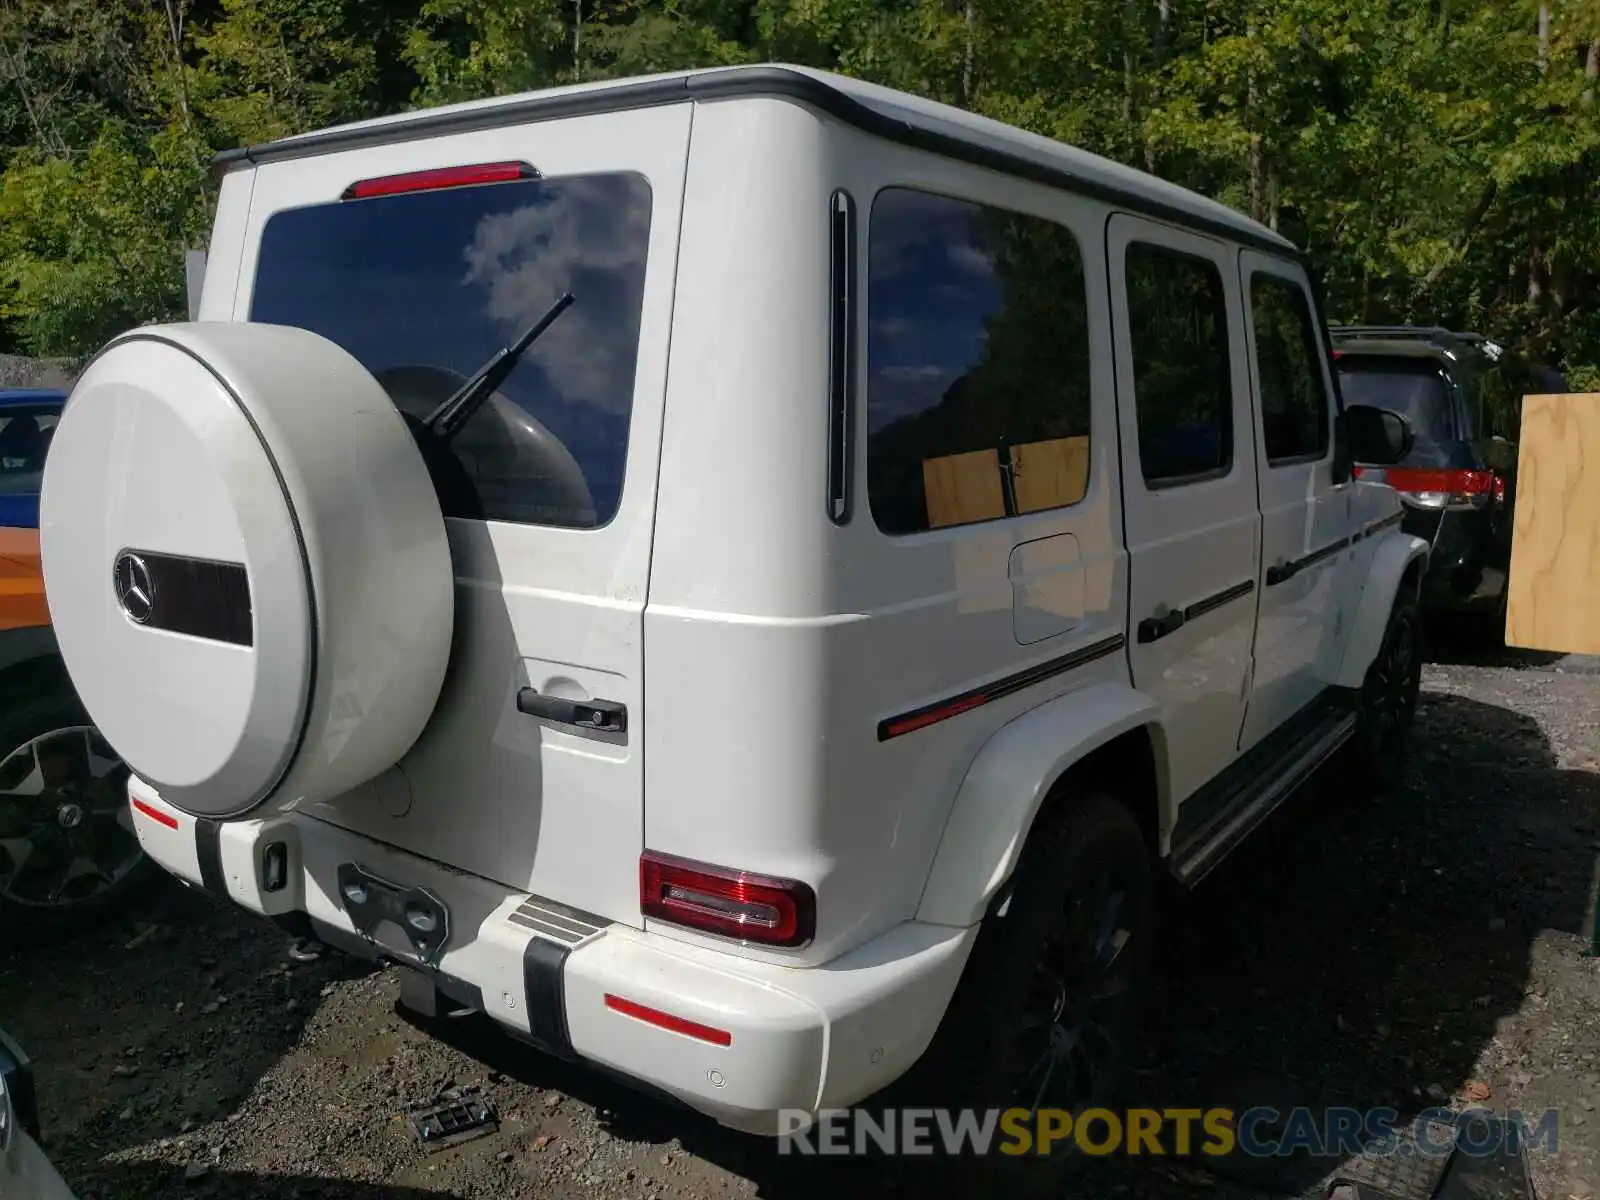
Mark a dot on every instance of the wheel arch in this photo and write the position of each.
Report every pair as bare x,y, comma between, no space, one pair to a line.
1398,562
1104,735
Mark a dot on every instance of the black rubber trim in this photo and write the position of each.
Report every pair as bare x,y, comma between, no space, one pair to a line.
1226,596
1388,522
1284,572
542,964
208,850
941,710
743,82
842,355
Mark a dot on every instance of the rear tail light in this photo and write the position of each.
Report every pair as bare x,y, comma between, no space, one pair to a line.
1431,487
734,904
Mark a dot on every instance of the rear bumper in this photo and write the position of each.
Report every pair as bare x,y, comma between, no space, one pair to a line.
1465,573
761,1038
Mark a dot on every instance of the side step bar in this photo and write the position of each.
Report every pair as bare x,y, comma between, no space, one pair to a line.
1257,797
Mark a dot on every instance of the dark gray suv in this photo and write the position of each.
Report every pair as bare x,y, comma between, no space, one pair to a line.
1462,393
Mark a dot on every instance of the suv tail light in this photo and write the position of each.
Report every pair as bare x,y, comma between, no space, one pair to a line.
734,904
1430,487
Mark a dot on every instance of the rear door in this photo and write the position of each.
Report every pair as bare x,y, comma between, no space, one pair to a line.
1306,518
1189,485
549,490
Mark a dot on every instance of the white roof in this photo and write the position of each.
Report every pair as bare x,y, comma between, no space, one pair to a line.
928,115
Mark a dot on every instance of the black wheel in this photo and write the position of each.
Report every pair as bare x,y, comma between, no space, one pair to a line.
1042,1016
1388,700
68,853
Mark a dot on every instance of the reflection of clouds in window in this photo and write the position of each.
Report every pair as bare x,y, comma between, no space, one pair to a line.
935,281
900,391
971,259
579,235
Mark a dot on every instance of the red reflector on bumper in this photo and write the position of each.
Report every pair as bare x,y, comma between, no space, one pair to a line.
654,1016
155,814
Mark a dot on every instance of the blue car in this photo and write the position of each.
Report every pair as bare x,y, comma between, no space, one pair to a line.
68,853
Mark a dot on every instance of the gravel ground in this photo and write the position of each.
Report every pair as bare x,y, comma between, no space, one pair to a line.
1410,953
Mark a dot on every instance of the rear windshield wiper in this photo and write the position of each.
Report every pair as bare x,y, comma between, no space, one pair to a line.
446,421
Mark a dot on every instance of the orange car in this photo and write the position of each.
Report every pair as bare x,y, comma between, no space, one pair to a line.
68,853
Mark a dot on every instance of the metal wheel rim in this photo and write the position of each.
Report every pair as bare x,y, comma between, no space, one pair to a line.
1395,676
66,835
1069,1039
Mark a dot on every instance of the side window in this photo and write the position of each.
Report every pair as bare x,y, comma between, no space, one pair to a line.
1183,389
977,364
1294,402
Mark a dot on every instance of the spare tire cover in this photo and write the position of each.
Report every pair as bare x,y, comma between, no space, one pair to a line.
245,564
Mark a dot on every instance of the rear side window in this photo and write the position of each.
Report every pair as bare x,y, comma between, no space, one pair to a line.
977,364
1294,405
1415,388
1182,385
423,288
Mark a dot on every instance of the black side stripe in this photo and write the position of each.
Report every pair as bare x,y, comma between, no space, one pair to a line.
1286,571
1379,526
1226,596
941,710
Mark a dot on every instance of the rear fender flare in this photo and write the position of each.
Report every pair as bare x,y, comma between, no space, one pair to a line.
1394,552
1007,784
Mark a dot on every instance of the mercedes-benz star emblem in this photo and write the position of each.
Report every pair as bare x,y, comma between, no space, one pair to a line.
136,591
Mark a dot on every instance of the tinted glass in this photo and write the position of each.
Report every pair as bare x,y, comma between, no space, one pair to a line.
977,364
423,288
1294,404
1417,391
24,437
1183,391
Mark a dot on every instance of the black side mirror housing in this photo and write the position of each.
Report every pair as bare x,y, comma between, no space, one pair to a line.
1378,436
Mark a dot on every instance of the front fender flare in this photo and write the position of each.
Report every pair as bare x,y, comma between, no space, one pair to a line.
1008,782
1394,552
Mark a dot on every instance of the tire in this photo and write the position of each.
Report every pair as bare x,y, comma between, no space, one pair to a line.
1387,703
63,810
989,1052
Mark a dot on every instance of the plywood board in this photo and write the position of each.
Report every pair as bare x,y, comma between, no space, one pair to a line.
1050,474
962,488
1554,590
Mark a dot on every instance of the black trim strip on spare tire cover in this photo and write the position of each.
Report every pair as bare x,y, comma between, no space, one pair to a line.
299,543
757,81
195,596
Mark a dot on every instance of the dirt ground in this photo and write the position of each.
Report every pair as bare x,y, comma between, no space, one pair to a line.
1354,953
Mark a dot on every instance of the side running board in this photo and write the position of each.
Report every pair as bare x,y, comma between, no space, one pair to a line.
1256,796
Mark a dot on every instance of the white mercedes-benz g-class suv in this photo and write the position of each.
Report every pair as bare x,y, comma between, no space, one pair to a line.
745,577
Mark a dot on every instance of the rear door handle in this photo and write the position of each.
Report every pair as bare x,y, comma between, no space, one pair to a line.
1154,628
1280,573
606,716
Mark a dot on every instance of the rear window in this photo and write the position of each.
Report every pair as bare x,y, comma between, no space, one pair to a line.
423,288
1417,391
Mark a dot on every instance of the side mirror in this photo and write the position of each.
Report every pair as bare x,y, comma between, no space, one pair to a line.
1378,436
